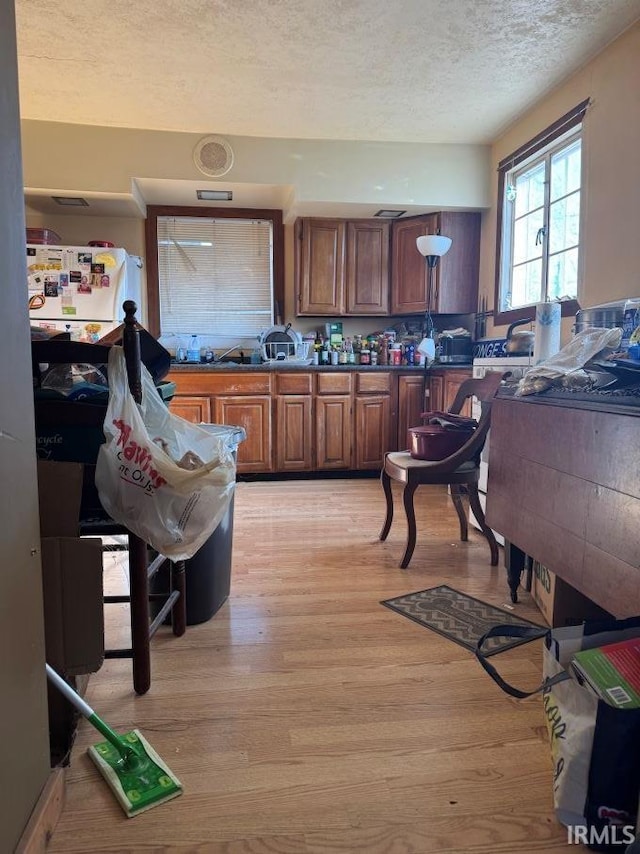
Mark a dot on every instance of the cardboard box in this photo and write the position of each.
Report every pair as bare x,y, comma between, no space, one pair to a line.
71,573
72,595
559,602
73,607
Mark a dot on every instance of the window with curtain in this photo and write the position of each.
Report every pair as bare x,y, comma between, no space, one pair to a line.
539,208
215,275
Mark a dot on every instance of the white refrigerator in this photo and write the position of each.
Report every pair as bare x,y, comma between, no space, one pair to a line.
80,289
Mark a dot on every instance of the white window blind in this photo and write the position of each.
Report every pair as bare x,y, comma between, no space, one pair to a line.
215,276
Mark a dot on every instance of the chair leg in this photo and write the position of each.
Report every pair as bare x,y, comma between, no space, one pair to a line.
407,497
385,480
139,591
456,497
478,512
179,610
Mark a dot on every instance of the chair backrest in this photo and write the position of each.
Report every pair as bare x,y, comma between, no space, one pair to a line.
484,389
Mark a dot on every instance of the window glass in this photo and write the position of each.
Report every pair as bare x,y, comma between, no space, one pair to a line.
541,226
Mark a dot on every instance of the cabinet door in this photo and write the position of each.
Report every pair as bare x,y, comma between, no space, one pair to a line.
436,392
294,433
411,404
333,432
372,431
367,267
320,267
456,276
452,382
408,267
254,414
192,408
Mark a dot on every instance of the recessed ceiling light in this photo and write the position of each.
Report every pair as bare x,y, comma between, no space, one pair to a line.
71,201
388,214
214,195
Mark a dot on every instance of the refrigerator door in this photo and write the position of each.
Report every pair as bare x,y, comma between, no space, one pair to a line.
80,288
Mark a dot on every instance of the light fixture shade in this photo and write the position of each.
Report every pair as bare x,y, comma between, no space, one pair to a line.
433,244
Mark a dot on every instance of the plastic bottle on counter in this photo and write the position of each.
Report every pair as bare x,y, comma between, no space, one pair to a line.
193,350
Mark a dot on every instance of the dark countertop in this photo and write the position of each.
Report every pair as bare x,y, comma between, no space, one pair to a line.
221,367
624,400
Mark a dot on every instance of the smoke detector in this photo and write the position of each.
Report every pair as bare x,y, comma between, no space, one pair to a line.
213,156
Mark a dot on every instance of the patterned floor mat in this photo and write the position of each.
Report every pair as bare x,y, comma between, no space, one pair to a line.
461,618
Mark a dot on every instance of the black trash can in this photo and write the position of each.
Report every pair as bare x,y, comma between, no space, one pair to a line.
208,572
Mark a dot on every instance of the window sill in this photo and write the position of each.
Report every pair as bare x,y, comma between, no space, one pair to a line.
528,312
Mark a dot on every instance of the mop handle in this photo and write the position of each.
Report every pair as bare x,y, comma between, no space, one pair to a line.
75,699
84,708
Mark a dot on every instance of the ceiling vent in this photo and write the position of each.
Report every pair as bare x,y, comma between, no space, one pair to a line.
213,156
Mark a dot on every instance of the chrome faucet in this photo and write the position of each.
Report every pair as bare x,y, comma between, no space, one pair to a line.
226,352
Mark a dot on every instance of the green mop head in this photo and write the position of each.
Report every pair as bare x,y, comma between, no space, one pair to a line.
140,780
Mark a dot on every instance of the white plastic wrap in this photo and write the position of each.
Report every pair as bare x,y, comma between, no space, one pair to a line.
165,479
566,367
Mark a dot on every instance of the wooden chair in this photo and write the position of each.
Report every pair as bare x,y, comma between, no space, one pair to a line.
461,471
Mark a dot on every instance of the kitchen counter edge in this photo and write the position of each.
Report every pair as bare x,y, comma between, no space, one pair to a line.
268,368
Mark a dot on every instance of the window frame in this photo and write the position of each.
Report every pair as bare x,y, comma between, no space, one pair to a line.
527,153
151,251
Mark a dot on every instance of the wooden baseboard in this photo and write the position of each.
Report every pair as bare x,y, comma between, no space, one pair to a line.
45,815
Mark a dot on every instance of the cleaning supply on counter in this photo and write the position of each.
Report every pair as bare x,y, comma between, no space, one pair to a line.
133,770
193,350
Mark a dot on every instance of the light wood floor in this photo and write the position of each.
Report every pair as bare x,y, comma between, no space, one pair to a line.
306,717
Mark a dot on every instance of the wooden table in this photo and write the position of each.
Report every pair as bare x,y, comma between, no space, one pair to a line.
564,486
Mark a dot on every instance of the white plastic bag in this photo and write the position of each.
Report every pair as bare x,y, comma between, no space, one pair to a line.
566,367
165,479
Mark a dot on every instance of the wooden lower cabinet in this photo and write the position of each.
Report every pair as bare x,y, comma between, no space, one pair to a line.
255,454
413,400
436,392
372,424
453,379
294,432
192,408
333,432
443,387
373,417
316,420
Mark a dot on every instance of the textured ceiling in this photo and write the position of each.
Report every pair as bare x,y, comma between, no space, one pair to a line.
394,70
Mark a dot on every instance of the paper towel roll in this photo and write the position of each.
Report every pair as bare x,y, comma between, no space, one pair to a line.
547,338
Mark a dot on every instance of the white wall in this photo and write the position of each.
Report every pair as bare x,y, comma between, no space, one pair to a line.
23,705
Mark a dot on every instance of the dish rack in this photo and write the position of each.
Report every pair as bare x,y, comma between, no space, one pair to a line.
290,352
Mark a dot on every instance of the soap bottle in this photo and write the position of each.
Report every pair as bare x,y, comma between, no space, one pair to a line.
193,350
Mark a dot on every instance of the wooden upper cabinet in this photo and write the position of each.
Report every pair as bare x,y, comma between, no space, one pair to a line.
320,266
408,267
342,267
455,280
367,282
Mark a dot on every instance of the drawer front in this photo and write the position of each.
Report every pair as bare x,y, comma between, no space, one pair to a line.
217,382
293,383
373,383
334,383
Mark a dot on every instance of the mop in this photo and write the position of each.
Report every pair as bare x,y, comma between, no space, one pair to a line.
138,777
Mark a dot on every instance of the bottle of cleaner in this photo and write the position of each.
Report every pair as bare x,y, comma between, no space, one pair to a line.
193,350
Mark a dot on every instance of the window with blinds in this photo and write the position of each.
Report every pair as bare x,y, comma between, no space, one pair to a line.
215,276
